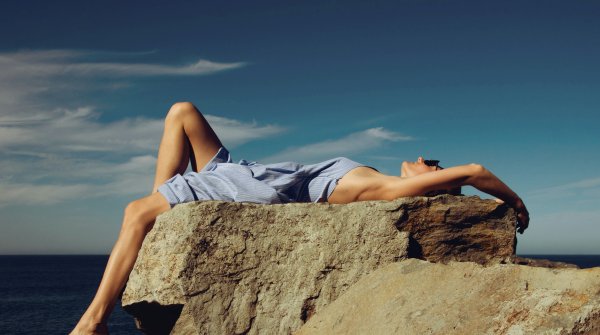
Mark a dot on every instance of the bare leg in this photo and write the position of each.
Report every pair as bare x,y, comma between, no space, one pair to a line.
185,129
187,136
137,222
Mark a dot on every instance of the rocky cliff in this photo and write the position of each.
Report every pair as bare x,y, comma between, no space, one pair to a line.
418,297
241,268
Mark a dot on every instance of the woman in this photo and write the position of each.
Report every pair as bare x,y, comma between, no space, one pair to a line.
188,137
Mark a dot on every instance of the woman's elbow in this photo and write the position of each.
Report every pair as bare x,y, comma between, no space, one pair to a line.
477,169
476,172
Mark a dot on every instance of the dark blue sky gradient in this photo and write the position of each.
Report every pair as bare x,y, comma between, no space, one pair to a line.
510,84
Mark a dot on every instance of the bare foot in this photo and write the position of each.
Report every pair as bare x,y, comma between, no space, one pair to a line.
91,328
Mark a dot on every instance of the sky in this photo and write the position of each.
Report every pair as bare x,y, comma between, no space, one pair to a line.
84,88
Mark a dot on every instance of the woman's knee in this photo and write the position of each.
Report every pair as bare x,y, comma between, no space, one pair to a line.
180,110
137,215
141,213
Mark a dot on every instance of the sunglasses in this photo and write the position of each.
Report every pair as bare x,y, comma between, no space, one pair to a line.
432,162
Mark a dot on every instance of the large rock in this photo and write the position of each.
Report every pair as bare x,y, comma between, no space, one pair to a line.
417,297
447,228
233,268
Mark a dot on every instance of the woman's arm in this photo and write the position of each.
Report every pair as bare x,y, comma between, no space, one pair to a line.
473,175
485,181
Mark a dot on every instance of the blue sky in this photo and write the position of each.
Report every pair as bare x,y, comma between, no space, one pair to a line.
512,85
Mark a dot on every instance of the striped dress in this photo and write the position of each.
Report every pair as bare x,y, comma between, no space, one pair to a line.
221,179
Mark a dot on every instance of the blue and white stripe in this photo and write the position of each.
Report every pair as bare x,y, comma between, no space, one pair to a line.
221,179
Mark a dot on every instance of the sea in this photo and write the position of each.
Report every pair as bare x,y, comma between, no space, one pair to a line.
46,294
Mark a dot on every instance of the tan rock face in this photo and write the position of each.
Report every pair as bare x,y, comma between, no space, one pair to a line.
417,297
232,268
449,228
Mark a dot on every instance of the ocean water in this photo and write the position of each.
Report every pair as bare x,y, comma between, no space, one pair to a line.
583,261
48,294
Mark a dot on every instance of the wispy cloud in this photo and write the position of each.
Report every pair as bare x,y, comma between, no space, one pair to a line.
69,154
46,63
24,193
79,130
584,187
234,132
200,67
80,179
24,75
52,154
348,145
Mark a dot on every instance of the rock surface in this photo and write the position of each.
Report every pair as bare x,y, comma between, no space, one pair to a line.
544,263
240,268
447,228
418,297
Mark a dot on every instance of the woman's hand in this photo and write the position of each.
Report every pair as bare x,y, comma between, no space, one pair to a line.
484,180
471,174
522,216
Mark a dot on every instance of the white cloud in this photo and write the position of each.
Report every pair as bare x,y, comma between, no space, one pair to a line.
73,178
72,147
24,193
46,164
580,184
51,154
119,69
26,74
79,130
351,144
47,63
584,187
233,132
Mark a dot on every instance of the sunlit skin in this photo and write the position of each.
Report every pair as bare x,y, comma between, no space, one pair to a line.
411,169
188,138
418,179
